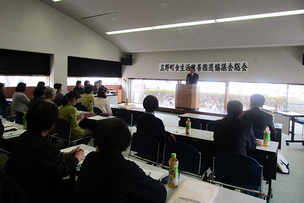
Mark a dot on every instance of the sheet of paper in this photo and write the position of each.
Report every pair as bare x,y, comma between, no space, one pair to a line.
12,134
176,130
153,174
7,124
12,128
195,192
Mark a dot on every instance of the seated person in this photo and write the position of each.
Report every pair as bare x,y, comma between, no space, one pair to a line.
67,111
41,84
35,165
102,102
59,95
78,88
87,98
49,94
151,125
20,101
86,83
2,96
38,94
260,119
232,133
96,86
106,175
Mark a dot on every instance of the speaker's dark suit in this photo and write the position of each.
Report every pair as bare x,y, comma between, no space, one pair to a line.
233,135
192,79
260,120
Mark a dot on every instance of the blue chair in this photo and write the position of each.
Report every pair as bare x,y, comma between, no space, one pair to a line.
238,171
146,146
81,107
210,126
194,123
19,117
188,156
259,134
97,111
126,116
302,123
62,131
3,113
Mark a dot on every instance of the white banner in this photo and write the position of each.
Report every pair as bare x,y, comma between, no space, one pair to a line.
238,66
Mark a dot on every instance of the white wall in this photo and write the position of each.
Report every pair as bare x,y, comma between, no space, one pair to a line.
30,25
274,65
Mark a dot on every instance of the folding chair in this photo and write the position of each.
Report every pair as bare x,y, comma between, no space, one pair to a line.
238,171
126,116
194,123
62,131
146,146
188,156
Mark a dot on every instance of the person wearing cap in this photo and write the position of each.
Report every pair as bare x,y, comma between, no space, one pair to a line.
260,119
192,77
232,133
49,94
102,102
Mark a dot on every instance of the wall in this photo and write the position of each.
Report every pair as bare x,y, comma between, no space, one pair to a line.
30,25
266,65
273,65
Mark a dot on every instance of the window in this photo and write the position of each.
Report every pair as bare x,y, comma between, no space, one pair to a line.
212,95
105,81
12,81
295,99
273,93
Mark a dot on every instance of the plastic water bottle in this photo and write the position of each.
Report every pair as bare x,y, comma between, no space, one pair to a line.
272,115
266,137
276,107
173,171
24,122
127,101
91,108
188,127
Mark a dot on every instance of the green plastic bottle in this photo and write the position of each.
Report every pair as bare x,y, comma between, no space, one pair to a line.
173,171
24,122
91,108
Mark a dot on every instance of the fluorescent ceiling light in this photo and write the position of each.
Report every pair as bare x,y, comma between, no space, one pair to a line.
257,16
56,0
248,17
183,24
129,30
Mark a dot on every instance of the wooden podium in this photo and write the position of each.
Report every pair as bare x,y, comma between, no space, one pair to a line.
187,96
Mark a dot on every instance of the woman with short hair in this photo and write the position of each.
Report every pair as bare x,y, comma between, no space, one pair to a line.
35,165
87,98
102,102
19,101
107,176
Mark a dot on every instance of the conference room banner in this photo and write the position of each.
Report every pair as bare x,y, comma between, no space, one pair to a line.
238,66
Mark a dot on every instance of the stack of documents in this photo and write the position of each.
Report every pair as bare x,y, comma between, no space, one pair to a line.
195,192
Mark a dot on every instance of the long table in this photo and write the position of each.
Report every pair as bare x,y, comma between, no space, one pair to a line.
203,141
11,135
207,121
224,195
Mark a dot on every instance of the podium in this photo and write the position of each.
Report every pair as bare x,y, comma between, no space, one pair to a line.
187,96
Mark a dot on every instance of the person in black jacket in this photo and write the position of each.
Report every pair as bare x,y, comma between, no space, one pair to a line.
260,119
35,165
106,176
192,78
78,88
151,125
2,96
232,133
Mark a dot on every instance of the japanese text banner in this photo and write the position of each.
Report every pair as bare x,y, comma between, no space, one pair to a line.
238,66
